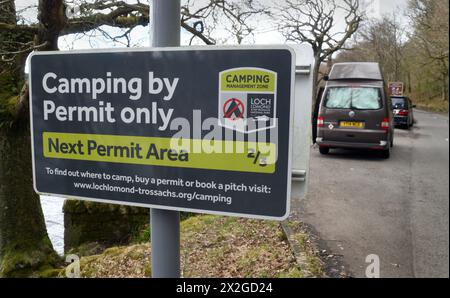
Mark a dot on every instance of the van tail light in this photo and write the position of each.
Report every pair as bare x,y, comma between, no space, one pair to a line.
385,124
403,113
320,121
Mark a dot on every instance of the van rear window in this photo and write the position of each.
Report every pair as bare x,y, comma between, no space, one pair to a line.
399,103
359,98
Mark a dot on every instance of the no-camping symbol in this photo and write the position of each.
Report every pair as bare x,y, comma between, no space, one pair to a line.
233,109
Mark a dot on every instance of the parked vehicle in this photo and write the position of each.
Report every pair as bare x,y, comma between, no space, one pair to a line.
355,110
315,113
403,111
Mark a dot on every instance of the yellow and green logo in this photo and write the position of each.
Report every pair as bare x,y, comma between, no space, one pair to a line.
248,80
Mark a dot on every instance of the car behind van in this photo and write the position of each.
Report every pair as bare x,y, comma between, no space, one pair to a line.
355,110
403,109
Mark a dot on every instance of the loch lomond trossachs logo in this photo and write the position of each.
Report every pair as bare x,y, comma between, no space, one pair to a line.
247,99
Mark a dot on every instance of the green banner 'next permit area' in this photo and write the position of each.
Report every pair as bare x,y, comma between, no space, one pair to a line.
194,129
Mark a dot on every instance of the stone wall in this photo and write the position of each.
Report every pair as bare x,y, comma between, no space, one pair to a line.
107,224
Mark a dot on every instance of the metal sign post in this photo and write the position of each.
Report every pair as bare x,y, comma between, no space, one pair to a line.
165,224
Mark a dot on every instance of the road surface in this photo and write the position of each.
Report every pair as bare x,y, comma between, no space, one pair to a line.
359,204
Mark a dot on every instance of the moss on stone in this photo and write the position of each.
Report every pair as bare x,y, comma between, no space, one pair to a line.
107,224
140,234
87,249
49,272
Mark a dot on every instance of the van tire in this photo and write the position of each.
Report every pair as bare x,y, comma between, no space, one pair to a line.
324,150
386,154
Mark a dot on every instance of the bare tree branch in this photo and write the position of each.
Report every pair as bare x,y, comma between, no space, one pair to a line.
196,33
19,28
29,47
314,22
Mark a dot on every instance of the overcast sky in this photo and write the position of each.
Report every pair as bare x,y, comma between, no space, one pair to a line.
264,34
378,8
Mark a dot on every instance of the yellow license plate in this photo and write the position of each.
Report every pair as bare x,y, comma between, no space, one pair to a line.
352,124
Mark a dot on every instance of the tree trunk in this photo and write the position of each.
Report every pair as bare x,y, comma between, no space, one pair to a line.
315,74
445,86
52,19
409,82
24,243
8,16
12,65
8,71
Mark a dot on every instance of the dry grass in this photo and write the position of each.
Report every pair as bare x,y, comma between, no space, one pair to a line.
211,246
118,262
230,247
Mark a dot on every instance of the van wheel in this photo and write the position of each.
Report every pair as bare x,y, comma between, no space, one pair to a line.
324,150
386,154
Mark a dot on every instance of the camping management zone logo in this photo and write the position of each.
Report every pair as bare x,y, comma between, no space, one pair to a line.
247,99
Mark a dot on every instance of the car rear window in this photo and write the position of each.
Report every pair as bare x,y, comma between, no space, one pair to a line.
399,103
360,98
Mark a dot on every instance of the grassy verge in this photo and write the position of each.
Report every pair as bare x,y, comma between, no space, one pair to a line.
214,246
432,105
305,252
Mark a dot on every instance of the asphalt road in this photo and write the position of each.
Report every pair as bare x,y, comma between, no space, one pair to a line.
359,204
